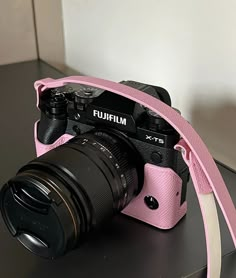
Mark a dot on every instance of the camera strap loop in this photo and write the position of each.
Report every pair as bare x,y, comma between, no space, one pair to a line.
208,209
204,172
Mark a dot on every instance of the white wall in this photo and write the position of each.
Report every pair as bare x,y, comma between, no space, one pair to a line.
50,35
188,47
17,34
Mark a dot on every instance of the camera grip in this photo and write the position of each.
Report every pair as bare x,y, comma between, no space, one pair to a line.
50,129
166,187
43,148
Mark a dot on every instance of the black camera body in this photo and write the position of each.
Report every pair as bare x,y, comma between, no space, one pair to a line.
78,109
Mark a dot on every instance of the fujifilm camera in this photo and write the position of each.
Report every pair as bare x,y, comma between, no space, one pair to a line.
98,154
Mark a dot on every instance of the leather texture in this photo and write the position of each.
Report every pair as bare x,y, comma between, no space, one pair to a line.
165,186
205,166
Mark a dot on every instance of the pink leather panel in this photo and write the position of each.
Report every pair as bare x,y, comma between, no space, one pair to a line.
165,186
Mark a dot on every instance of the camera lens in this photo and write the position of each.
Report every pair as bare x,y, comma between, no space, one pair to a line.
55,200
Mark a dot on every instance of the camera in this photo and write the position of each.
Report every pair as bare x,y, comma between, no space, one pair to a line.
98,154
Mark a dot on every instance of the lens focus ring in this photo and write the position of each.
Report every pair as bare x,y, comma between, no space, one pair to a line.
118,160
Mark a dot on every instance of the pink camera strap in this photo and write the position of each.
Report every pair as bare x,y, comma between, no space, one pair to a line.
204,172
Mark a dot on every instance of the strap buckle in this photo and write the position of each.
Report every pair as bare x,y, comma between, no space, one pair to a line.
201,183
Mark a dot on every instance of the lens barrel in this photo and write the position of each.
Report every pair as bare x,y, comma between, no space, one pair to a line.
56,199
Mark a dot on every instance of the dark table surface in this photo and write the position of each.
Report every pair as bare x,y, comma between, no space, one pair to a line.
127,248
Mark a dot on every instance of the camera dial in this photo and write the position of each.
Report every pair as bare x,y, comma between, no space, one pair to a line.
85,95
155,121
88,92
